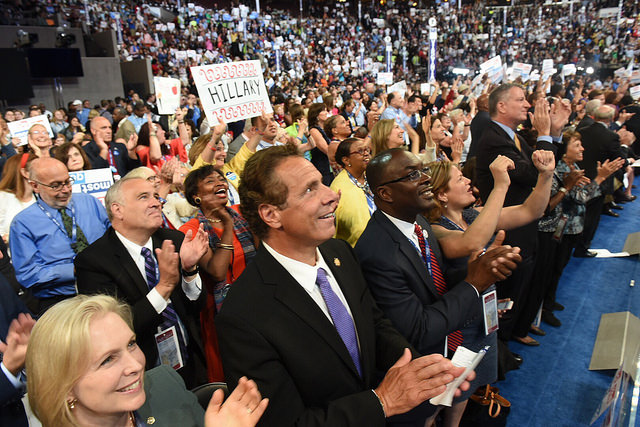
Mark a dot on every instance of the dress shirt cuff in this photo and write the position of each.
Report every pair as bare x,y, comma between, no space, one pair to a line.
546,138
474,289
557,139
17,382
156,300
192,288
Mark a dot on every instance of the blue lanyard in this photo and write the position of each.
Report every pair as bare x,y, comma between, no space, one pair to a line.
60,226
427,259
451,222
367,192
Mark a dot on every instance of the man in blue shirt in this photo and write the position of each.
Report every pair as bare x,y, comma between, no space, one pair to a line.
82,112
46,236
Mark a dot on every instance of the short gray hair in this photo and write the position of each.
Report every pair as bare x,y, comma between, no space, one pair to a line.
604,113
591,106
114,194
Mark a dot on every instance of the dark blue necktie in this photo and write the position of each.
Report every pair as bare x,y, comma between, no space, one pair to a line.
341,318
169,314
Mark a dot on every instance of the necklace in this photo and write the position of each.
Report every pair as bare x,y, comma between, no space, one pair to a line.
213,220
132,418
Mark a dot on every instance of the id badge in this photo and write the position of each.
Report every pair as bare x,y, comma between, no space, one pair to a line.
168,348
490,309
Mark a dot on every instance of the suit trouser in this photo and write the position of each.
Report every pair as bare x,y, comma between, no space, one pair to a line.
591,221
515,287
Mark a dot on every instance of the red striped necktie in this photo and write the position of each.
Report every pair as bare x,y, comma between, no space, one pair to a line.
454,339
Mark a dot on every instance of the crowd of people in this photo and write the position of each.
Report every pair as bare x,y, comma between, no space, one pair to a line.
331,256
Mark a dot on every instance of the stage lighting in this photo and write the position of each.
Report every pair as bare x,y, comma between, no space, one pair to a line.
25,39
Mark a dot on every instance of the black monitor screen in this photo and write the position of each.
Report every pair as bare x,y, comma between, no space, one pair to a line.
54,62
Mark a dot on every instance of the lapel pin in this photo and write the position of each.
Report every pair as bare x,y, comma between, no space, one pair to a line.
336,262
151,420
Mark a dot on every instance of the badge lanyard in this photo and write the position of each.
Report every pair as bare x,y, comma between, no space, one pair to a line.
60,226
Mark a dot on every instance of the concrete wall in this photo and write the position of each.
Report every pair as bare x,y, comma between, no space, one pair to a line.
101,80
137,75
107,41
46,36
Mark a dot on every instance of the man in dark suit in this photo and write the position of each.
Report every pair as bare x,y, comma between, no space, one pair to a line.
105,153
316,350
599,144
165,291
589,110
15,329
404,284
508,108
479,123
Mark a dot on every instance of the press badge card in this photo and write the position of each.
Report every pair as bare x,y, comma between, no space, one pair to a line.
168,348
490,309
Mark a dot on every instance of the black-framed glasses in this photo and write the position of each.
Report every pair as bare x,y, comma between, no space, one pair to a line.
361,151
57,186
412,176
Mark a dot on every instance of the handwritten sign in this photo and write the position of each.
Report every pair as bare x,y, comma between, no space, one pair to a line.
231,91
94,181
20,128
167,94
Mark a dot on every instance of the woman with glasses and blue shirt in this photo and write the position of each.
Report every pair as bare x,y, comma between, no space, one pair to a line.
356,202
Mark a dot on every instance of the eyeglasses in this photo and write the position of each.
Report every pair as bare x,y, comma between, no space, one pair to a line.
412,176
58,186
361,151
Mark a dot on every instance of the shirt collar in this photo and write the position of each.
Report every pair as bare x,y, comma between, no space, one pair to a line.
406,228
133,248
304,274
506,128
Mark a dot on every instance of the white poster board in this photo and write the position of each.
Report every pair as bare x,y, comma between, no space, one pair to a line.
398,87
167,94
385,79
20,128
231,91
493,68
94,181
634,91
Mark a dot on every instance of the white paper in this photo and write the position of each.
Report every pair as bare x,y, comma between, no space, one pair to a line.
398,87
167,94
20,128
604,253
464,358
385,79
231,91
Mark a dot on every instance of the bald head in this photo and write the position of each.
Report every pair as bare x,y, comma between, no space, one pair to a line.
101,129
50,180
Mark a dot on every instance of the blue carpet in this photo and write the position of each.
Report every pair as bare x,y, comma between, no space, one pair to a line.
554,386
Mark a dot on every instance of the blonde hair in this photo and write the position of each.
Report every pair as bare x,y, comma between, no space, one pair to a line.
57,353
380,136
141,172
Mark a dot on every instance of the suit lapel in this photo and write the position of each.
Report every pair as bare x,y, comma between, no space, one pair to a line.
408,250
295,298
127,263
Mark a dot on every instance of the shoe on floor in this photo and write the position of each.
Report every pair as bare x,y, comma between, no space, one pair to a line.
550,319
527,341
614,205
609,212
587,254
537,331
557,306
517,358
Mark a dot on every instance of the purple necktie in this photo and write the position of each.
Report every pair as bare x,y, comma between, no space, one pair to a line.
341,318
169,314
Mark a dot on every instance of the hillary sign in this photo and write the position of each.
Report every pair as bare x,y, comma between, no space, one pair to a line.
231,91
94,181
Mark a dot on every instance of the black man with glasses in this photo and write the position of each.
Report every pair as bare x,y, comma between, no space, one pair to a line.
402,263
49,234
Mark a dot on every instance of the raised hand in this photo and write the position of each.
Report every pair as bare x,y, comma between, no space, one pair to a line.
193,249
168,267
497,263
544,160
540,120
15,349
243,408
500,168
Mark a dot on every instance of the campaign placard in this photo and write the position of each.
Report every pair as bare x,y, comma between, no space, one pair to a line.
385,79
20,128
231,91
94,181
167,94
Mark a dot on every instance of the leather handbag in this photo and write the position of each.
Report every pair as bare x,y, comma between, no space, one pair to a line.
486,408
